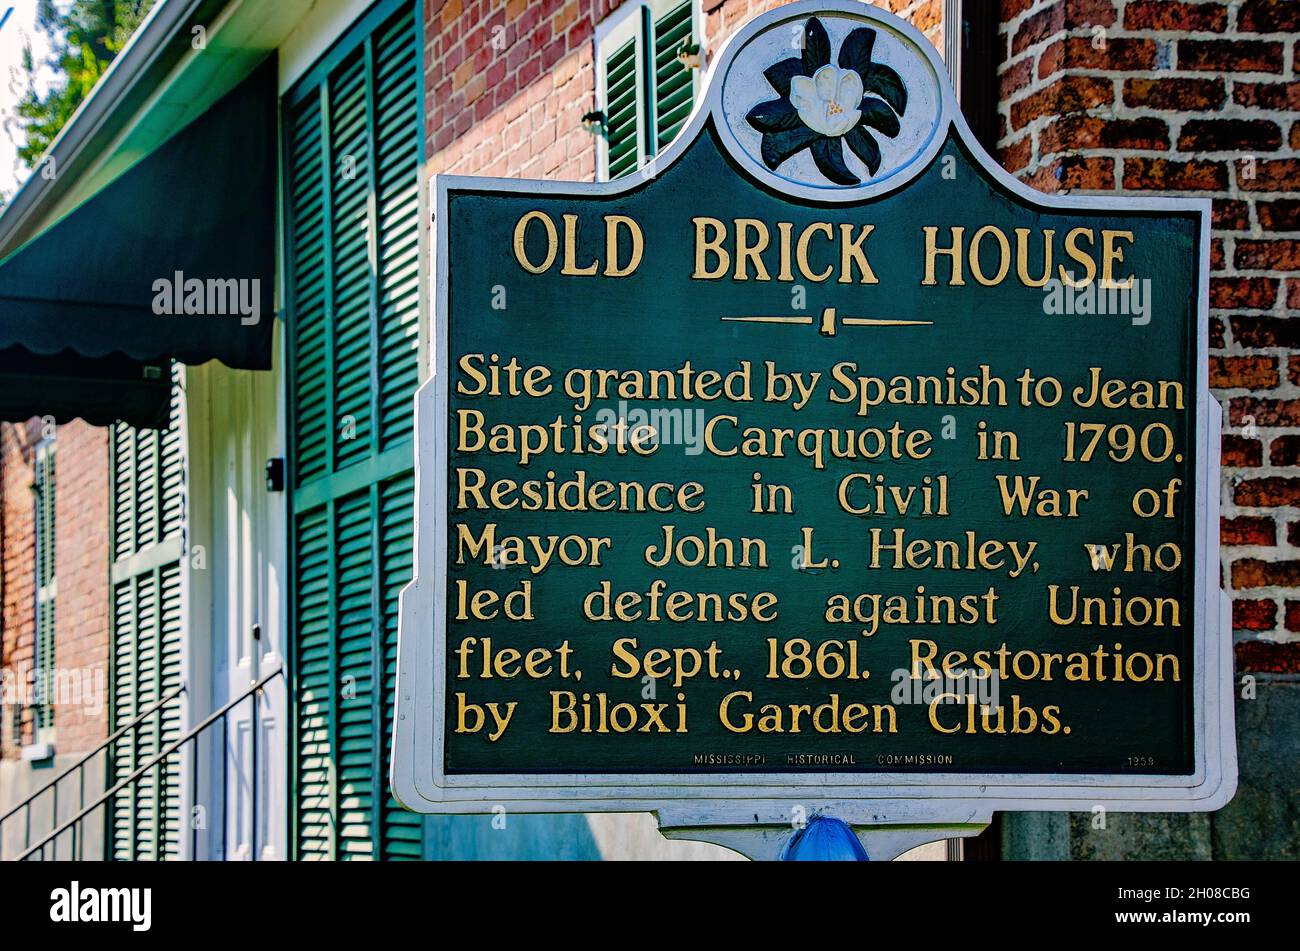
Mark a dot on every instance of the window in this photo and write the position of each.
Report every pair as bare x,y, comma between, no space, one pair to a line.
650,64
43,487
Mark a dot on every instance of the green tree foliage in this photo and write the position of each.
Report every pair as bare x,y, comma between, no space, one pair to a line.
85,35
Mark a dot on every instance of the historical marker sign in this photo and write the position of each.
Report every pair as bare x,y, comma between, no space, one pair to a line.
819,462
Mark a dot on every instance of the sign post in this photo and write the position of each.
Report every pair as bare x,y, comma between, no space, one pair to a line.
817,468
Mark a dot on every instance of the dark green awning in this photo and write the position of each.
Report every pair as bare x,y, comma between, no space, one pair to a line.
100,390
174,259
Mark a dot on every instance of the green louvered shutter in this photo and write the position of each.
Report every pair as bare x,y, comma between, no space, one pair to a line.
396,534
674,82
43,660
147,516
622,110
649,91
352,150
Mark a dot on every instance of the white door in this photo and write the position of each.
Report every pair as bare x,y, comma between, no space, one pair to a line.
238,607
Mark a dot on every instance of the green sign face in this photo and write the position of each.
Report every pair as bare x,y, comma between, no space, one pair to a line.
819,459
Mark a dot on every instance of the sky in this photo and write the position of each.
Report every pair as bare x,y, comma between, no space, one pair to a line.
17,30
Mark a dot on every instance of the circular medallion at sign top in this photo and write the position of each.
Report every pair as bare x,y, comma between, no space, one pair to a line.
833,105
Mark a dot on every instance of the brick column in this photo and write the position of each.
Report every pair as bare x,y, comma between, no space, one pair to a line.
1195,97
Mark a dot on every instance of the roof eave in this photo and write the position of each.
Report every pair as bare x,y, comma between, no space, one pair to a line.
159,42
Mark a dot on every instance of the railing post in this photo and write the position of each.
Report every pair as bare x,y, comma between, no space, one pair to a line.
225,787
252,833
194,798
81,804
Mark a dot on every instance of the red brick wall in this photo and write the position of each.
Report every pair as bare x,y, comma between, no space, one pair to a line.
724,17
515,108
17,566
81,561
81,567
1195,97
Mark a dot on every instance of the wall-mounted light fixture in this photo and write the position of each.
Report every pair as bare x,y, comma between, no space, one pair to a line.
275,474
596,122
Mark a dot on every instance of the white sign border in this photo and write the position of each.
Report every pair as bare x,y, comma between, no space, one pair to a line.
418,781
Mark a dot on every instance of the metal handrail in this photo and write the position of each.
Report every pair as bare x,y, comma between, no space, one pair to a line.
212,718
167,698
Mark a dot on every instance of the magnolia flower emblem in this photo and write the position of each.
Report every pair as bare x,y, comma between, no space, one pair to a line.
822,104
827,101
